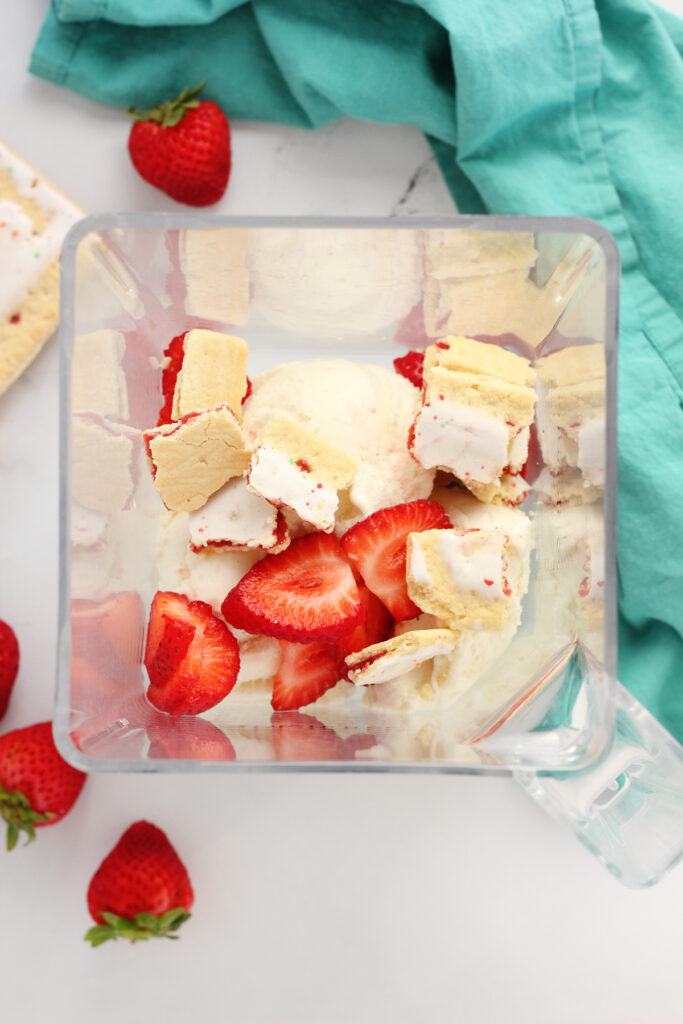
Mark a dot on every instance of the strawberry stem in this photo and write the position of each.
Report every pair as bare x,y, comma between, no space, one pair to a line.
170,112
143,926
16,810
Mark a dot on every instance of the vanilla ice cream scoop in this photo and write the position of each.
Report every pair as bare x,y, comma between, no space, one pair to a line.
333,281
366,411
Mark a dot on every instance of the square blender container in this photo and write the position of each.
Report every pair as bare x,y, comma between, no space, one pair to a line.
538,697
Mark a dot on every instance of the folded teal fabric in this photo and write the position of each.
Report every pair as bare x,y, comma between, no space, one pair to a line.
547,107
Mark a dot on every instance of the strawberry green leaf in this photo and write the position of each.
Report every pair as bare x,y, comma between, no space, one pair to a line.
147,921
144,926
170,112
98,934
173,919
12,835
111,919
17,812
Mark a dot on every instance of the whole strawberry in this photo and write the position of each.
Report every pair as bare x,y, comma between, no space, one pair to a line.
37,786
9,664
182,147
141,890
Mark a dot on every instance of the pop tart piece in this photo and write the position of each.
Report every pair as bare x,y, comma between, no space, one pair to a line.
477,408
193,458
477,282
34,218
98,382
102,462
87,527
467,423
213,261
476,253
518,450
572,365
571,410
213,372
235,517
511,489
467,355
591,589
465,441
390,659
280,480
566,486
461,577
297,469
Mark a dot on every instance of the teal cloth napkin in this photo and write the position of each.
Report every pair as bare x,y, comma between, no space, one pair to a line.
547,107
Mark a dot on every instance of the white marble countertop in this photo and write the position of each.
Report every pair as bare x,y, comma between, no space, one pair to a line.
340,898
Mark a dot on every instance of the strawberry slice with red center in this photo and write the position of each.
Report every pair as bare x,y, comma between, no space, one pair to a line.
175,354
411,366
306,672
304,593
191,657
176,637
376,547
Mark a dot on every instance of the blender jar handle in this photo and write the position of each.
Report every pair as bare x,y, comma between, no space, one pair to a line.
626,807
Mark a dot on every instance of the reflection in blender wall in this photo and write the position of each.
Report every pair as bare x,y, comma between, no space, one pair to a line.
507,434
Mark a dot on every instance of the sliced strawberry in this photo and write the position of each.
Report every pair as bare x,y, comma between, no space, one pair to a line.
280,539
191,657
306,672
378,626
95,687
171,649
122,618
306,592
107,641
186,738
298,737
174,353
247,393
377,548
89,684
152,734
107,630
410,366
